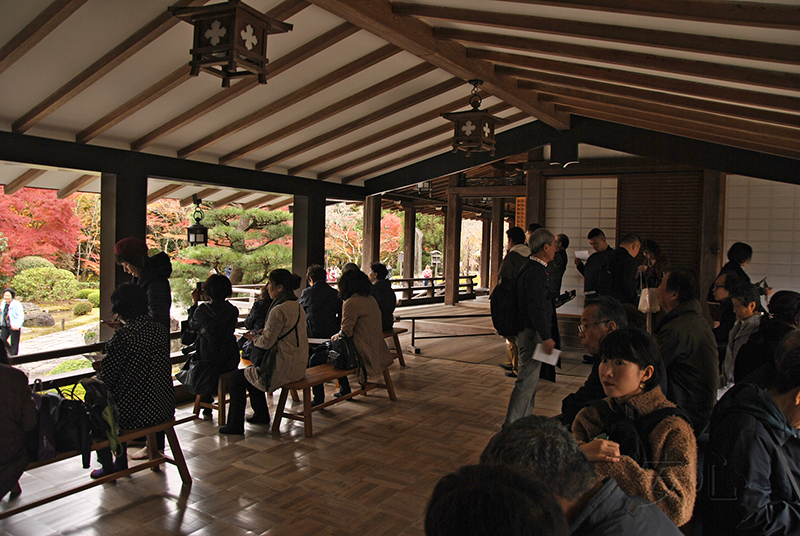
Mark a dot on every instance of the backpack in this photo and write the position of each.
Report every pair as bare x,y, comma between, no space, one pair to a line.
633,434
503,304
103,414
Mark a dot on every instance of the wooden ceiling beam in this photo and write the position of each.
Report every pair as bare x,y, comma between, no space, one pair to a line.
362,122
378,136
661,63
294,97
628,35
281,204
23,180
111,60
550,84
416,37
163,192
230,199
260,201
778,16
44,23
660,83
329,111
417,154
76,185
489,191
287,9
399,146
202,194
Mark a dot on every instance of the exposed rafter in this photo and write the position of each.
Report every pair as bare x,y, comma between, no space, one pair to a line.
164,192
76,185
202,194
23,180
230,199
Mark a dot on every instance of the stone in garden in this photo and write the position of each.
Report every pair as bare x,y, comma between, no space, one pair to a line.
38,319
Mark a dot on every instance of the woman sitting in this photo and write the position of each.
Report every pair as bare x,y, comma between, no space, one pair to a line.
361,320
18,419
137,371
629,374
285,329
216,351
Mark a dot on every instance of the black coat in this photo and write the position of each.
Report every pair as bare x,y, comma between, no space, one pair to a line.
387,301
535,305
592,270
624,269
323,309
154,279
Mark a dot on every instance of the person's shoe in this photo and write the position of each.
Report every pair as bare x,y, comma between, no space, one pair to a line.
208,414
508,366
342,393
258,419
511,374
315,403
99,473
16,491
140,454
230,430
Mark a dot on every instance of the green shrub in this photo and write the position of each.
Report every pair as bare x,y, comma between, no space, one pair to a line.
91,336
45,284
83,293
26,263
76,390
82,308
94,298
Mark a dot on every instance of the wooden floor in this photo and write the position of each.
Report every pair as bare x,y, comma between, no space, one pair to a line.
368,470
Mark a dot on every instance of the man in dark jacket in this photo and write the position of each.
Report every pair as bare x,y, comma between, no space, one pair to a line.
595,271
536,309
688,348
625,268
516,257
383,293
753,458
150,273
322,305
592,507
557,267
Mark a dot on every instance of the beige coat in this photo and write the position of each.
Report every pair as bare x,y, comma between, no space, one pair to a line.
292,350
361,320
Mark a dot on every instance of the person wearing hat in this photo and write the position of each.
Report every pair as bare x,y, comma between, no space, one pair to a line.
150,273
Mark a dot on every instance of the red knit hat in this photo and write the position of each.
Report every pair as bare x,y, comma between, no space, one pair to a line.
130,247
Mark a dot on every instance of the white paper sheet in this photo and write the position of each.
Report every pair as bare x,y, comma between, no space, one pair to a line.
582,255
551,358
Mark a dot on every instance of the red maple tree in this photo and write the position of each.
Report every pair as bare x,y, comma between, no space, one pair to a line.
36,222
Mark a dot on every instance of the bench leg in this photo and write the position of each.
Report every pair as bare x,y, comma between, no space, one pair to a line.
295,398
196,409
276,420
399,350
177,455
222,393
152,451
387,378
307,411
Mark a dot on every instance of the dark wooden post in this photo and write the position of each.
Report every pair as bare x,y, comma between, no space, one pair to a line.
308,233
372,232
712,214
123,203
486,240
452,245
535,197
409,236
498,226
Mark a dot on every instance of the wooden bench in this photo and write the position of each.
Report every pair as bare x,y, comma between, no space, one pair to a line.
398,350
154,461
316,376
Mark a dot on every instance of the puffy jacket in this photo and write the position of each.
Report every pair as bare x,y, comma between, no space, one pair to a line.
154,279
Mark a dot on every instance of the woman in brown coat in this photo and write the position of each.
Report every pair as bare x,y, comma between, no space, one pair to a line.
361,320
629,374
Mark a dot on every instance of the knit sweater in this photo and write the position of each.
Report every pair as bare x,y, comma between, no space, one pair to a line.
670,479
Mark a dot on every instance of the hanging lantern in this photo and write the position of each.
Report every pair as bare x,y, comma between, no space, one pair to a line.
198,233
230,39
474,129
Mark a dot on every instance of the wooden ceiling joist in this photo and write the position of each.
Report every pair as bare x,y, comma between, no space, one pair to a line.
202,194
294,97
44,23
111,60
260,201
362,122
163,192
778,16
660,83
76,185
281,204
416,37
329,111
629,35
230,199
274,68
660,63
23,180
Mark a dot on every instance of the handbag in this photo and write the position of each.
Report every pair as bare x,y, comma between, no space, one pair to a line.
259,374
42,442
199,377
343,355
188,336
648,301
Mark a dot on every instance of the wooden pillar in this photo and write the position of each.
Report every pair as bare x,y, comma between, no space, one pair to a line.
123,204
452,245
535,198
409,236
308,233
498,226
486,240
712,212
372,232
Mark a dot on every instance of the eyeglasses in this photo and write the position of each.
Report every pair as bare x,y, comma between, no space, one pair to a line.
584,327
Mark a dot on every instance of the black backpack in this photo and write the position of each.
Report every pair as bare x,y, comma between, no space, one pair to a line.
503,304
632,434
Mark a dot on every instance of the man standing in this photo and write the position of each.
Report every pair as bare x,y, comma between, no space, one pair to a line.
535,307
688,348
625,268
557,267
515,259
595,281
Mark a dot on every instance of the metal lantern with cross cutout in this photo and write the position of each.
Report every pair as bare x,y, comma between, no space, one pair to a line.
474,129
197,232
230,40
